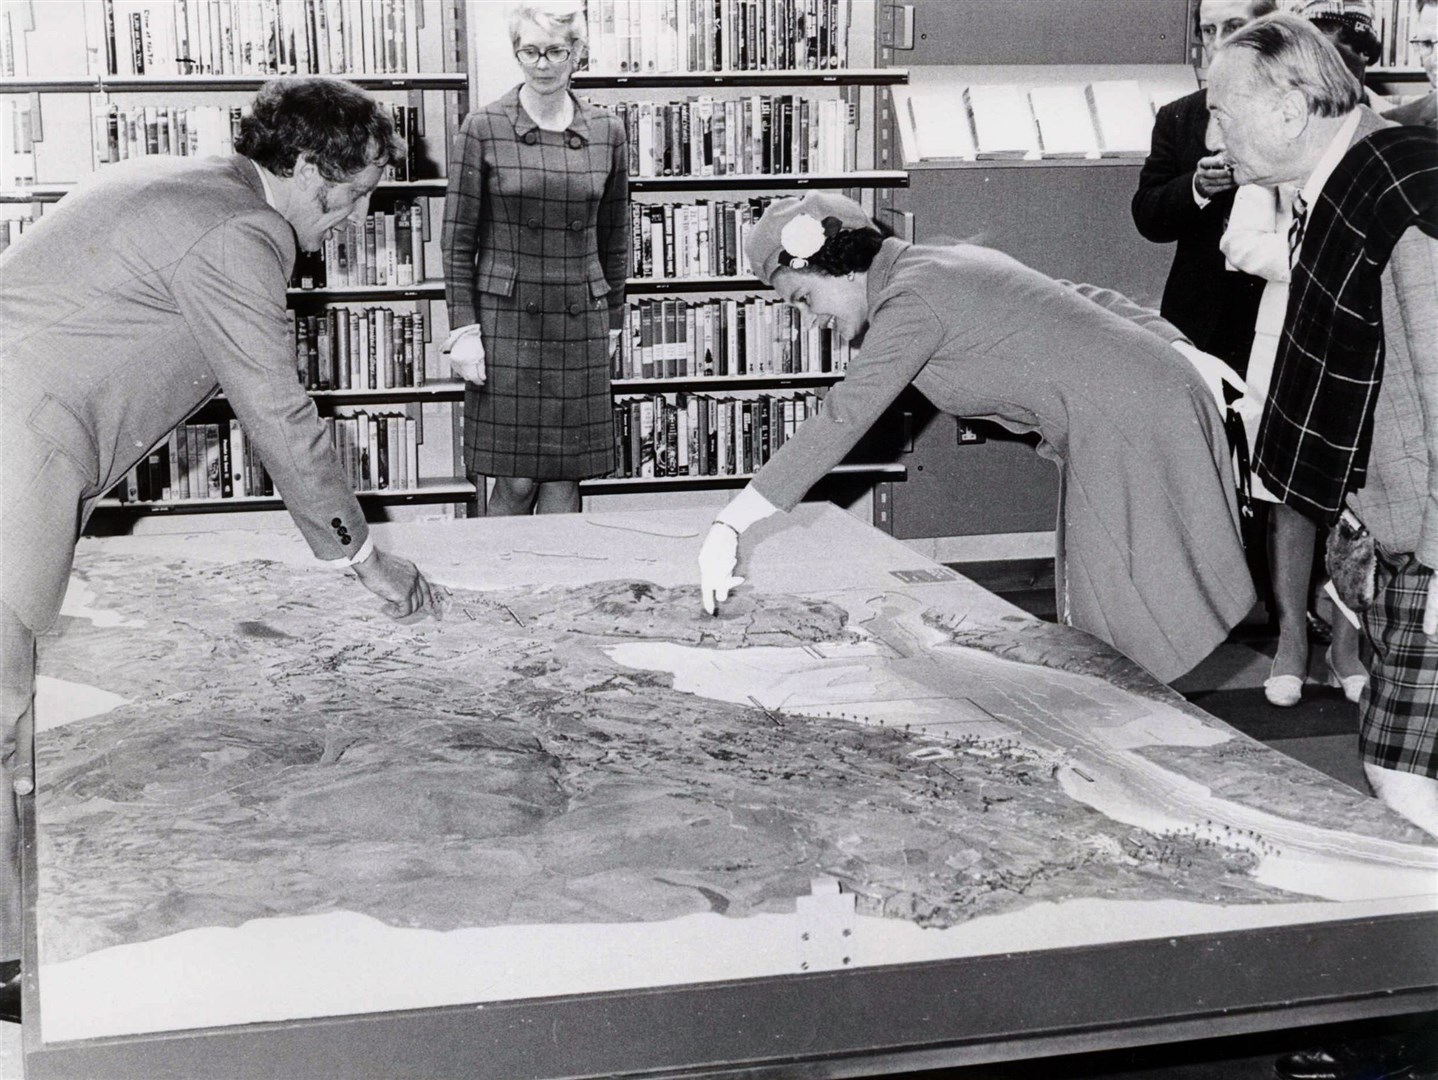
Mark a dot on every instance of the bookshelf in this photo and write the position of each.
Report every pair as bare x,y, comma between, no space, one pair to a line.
780,68
66,78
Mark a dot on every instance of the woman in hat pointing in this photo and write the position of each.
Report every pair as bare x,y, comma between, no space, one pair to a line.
1149,557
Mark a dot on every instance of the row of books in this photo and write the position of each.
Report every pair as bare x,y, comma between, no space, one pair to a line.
197,461
359,348
628,37
121,133
167,38
988,121
685,240
386,249
702,136
704,434
676,339
378,450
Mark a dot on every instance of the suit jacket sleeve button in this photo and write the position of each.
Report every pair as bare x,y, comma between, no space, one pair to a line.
336,522
531,307
344,540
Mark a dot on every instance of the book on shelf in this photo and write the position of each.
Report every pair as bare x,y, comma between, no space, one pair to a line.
1003,122
1123,117
756,134
685,434
943,132
1064,122
634,37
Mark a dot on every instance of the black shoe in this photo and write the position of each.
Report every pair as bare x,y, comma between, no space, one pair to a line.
1386,1058
10,991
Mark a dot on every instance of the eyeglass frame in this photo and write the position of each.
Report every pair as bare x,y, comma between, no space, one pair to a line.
545,54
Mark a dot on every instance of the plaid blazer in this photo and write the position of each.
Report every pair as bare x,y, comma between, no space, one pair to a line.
1313,442
500,233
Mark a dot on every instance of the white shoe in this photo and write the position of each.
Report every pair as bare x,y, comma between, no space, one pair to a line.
1285,691
1351,685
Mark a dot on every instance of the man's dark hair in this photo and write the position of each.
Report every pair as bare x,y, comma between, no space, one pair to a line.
334,123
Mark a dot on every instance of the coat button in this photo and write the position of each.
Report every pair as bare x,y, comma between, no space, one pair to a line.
575,226
575,309
336,522
533,222
531,307
575,142
530,138
344,541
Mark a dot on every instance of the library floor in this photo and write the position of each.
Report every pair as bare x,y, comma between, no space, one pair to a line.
1321,731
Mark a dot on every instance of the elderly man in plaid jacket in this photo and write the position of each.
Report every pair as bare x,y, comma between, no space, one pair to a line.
1352,416
1351,420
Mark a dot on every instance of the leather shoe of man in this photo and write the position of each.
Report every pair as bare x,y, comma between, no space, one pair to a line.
1386,1058
10,991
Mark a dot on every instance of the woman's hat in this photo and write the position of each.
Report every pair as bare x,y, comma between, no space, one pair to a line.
799,226
1356,13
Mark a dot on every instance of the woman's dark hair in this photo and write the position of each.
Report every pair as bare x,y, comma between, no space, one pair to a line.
844,250
334,123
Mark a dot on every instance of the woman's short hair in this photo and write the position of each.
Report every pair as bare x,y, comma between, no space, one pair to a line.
1290,53
332,122
552,18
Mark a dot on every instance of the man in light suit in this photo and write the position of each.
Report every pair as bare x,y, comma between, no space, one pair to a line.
1184,195
1286,111
143,293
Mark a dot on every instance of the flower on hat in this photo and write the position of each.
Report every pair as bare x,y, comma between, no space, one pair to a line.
801,237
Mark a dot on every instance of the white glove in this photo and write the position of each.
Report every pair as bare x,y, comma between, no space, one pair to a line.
717,560
1215,373
466,357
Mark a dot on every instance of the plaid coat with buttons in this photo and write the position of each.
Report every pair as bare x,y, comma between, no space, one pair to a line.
536,251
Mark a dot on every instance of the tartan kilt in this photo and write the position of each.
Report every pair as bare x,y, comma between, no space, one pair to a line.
1398,727
545,410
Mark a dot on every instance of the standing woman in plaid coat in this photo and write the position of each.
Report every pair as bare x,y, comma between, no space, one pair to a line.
535,259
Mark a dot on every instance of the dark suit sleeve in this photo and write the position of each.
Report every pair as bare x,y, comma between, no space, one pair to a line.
230,289
463,212
1163,206
903,334
613,225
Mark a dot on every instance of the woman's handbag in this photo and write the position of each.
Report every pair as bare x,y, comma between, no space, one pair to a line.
1352,561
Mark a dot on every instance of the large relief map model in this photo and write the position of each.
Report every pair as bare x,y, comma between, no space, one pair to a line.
604,754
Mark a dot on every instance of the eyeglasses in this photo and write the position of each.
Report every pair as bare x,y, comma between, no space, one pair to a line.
1422,44
555,54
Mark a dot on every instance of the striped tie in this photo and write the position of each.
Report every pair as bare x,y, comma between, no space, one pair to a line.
1295,228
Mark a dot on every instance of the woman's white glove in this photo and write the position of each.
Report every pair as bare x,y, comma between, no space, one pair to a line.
466,355
717,559
1216,374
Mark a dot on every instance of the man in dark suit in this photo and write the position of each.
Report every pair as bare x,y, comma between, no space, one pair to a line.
143,293
1183,197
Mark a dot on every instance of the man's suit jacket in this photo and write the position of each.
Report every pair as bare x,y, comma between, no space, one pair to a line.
1399,501
139,296
1214,306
